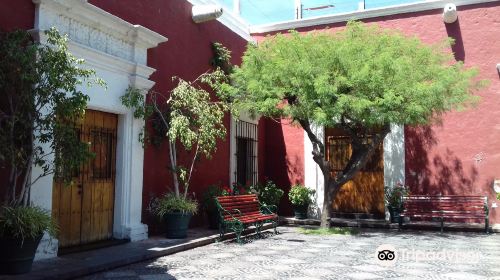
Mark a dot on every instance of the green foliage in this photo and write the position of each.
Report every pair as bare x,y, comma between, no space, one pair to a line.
170,203
363,75
360,80
329,231
195,120
189,116
25,222
40,86
394,195
208,197
221,58
300,195
268,193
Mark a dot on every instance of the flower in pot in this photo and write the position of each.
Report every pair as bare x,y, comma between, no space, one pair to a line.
269,195
190,119
21,229
394,200
300,197
176,211
42,84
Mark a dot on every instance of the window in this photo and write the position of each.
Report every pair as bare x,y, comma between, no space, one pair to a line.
246,153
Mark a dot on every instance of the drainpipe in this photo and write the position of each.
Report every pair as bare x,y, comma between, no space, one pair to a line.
298,9
202,13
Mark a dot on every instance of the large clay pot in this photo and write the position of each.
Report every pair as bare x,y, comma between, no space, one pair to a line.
300,211
16,255
177,224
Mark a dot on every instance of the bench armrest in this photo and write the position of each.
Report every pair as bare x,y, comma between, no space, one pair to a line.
231,212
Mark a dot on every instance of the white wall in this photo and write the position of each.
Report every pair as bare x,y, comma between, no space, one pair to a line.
117,50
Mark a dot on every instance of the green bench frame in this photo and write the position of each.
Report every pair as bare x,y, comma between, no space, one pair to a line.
237,212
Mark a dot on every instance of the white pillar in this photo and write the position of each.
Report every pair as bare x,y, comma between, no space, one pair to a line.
313,174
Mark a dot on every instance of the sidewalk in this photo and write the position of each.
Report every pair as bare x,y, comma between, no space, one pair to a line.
88,262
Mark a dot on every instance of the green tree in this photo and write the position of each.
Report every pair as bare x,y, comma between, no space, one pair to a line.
360,79
188,116
41,99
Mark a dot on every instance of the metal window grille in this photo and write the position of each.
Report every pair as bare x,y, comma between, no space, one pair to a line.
246,153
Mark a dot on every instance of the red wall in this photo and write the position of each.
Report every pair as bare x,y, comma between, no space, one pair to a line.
283,161
461,155
18,14
186,54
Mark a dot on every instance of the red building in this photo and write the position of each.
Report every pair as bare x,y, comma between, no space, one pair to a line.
459,156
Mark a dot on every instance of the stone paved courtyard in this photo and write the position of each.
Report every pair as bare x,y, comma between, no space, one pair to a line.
293,255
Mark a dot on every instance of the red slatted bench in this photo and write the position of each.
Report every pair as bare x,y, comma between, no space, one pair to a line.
445,207
236,212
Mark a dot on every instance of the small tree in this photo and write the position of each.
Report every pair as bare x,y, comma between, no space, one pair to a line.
360,79
188,116
41,101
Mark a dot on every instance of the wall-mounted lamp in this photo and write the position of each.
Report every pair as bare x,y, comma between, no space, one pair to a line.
498,68
202,13
450,14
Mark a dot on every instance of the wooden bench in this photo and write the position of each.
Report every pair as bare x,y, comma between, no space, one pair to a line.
443,207
236,212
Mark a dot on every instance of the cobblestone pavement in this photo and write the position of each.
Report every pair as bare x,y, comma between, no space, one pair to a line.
293,255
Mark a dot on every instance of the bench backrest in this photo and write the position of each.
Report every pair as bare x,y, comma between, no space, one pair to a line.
247,204
473,205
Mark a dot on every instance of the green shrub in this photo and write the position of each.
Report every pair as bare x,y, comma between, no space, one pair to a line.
208,197
268,193
300,195
394,195
169,203
26,222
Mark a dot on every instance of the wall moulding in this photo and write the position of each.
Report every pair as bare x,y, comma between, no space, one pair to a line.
91,26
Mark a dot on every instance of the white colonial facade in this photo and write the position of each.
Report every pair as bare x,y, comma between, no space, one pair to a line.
117,50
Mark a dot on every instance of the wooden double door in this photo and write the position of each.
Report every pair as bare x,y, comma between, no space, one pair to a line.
84,209
365,192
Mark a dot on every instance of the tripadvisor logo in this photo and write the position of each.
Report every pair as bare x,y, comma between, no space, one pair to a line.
386,255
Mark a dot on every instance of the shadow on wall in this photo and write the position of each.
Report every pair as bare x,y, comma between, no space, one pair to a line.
450,176
453,30
278,165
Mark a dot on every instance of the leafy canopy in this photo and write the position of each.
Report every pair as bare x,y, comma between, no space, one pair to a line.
41,87
362,74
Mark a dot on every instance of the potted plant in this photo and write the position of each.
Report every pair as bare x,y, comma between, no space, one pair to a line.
394,200
300,197
42,85
268,193
209,206
21,229
188,116
176,212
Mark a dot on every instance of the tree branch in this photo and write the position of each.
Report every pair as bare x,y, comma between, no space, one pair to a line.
318,146
360,156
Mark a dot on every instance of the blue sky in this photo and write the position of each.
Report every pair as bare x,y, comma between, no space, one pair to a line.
257,12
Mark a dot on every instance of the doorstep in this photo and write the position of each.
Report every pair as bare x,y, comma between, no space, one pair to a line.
84,263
